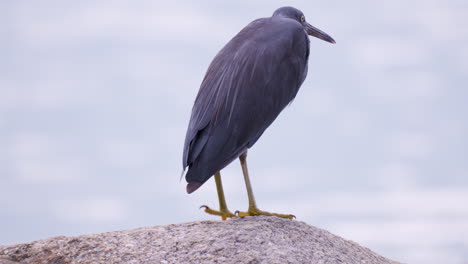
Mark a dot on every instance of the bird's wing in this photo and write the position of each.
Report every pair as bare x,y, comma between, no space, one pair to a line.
246,86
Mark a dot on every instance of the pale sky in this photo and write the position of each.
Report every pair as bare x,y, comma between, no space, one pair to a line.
95,98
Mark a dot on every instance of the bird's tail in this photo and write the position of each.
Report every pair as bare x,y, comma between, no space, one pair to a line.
193,186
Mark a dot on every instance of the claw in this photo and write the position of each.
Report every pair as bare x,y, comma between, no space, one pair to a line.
224,213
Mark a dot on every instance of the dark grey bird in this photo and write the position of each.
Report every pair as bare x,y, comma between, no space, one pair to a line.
249,82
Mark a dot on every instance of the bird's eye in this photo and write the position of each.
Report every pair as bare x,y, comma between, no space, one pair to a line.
302,18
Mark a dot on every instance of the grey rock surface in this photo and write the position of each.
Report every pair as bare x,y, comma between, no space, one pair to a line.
256,239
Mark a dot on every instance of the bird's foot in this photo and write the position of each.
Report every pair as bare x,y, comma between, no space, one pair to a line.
223,212
255,211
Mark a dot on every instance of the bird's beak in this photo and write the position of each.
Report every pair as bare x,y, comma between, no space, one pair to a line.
313,31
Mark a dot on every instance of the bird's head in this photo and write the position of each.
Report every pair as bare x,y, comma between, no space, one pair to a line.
296,14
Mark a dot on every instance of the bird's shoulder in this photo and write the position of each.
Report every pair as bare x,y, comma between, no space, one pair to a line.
277,27
272,35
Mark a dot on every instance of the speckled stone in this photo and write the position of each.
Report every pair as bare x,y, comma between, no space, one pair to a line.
251,240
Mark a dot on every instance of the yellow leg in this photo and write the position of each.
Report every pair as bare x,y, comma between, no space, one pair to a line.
253,210
223,210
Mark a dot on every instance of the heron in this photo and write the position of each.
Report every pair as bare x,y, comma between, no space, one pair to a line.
248,83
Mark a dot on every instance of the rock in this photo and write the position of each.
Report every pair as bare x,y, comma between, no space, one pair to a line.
257,239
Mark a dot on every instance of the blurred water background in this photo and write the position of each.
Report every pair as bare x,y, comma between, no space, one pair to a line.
95,98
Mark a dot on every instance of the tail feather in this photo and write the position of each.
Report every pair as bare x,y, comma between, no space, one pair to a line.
193,186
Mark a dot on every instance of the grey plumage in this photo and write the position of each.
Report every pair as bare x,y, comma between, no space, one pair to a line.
246,86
